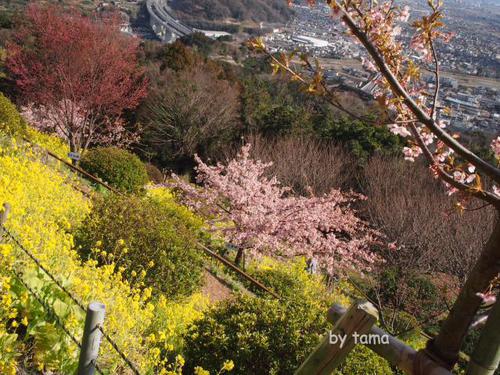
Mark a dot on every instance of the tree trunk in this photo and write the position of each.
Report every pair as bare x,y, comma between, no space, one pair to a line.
445,347
240,258
73,148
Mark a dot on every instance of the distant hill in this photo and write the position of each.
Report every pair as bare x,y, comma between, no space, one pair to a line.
273,11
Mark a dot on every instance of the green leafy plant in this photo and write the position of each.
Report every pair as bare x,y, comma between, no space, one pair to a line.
262,336
360,138
266,336
152,238
362,361
118,167
11,121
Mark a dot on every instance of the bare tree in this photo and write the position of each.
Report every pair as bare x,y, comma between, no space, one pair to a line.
435,237
188,112
306,164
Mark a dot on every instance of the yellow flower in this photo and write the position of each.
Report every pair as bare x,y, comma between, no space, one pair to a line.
180,360
200,371
228,365
15,324
24,321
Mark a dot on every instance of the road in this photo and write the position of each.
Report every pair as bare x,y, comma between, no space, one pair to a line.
163,23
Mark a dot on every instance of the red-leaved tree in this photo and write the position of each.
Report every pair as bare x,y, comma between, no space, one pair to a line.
76,74
261,217
415,110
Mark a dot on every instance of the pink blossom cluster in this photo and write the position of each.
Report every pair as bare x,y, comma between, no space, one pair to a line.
411,153
257,214
487,298
69,121
50,120
400,130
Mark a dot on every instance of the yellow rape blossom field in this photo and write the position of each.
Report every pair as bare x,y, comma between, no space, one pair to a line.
44,207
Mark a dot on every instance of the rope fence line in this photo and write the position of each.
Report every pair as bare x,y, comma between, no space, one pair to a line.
75,168
238,270
115,346
207,251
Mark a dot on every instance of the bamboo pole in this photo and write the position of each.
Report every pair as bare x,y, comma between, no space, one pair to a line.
395,351
333,350
486,357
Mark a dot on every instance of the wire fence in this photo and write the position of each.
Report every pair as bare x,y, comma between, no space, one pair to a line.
50,311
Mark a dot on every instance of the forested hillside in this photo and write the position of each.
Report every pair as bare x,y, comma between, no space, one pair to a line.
255,10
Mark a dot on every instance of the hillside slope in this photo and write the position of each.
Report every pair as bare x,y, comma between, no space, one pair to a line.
239,10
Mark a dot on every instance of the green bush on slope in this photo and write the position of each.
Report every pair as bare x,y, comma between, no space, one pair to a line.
266,336
120,168
146,235
11,121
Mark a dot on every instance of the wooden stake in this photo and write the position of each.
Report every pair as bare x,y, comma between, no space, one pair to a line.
3,217
91,338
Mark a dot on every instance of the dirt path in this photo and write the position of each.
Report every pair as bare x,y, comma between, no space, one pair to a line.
214,288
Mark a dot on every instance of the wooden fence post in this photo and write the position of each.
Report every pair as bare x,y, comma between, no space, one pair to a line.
91,339
337,344
486,356
3,217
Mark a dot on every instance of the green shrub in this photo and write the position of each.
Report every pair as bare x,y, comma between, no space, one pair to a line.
361,138
118,167
289,280
261,336
425,299
146,235
409,291
266,336
11,121
363,361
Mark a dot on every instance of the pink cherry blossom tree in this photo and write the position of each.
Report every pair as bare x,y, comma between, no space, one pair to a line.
261,217
376,25
68,121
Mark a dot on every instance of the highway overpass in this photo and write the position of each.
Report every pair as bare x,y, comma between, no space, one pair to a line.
165,26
